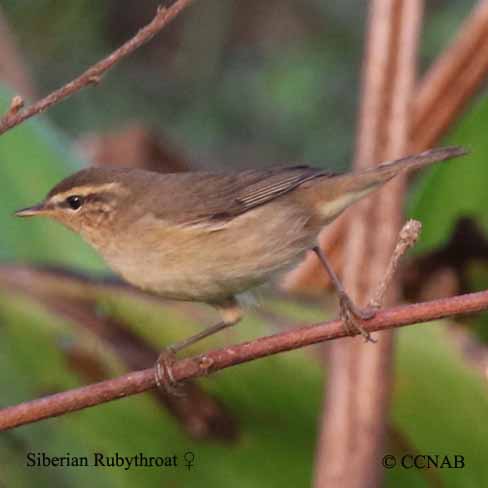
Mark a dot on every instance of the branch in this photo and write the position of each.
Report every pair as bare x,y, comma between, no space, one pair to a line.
351,438
442,94
452,80
213,361
92,75
408,237
198,412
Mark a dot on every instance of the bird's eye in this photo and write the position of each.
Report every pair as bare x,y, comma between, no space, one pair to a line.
74,202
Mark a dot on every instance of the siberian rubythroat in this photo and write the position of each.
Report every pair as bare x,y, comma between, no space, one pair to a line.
205,237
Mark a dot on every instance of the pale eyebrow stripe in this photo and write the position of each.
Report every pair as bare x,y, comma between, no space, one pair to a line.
85,190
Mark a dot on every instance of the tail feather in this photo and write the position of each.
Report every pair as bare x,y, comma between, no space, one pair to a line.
389,169
373,177
343,190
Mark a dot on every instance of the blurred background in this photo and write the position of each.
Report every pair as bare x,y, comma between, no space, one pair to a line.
227,85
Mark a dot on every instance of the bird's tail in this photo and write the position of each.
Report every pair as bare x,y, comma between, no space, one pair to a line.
385,171
341,191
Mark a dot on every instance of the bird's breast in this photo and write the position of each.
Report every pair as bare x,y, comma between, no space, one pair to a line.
208,262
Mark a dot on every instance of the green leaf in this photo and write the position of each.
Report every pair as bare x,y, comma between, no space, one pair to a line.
34,157
456,188
277,418
441,404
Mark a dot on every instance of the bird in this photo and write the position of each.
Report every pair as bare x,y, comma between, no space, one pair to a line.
206,237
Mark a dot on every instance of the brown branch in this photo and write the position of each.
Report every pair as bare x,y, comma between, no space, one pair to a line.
75,297
442,94
408,237
200,414
452,80
351,438
213,361
92,76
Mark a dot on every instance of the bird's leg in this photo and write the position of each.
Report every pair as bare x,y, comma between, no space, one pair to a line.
230,313
348,309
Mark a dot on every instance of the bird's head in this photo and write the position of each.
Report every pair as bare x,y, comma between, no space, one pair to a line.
86,202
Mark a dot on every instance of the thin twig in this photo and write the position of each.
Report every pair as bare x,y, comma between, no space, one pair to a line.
408,236
16,104
92,76
213,361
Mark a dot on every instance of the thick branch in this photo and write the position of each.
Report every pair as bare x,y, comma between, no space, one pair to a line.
93,75
452,80
352,439
449,85
194,367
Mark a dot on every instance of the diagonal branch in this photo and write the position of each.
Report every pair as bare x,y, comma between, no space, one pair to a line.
213,361
198,412
442,94
452,81
92,75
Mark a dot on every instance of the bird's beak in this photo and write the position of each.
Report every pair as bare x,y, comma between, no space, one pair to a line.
38,209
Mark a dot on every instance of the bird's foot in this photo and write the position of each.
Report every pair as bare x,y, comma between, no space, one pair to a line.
164,376
349,314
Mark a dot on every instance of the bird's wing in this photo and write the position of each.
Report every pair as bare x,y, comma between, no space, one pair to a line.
238,193
201,198
257,187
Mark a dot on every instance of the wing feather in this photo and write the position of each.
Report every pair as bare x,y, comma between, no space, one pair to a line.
257,187
213,199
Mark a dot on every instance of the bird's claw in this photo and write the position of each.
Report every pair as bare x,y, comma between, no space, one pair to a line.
349,313
163,375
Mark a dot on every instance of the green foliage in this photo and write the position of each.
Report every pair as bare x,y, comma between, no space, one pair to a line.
439,407
456,188
440,402
33,157
272,414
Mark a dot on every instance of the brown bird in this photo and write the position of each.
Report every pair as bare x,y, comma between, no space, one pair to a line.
205,237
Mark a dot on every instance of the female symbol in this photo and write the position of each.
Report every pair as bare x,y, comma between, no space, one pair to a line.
189,458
